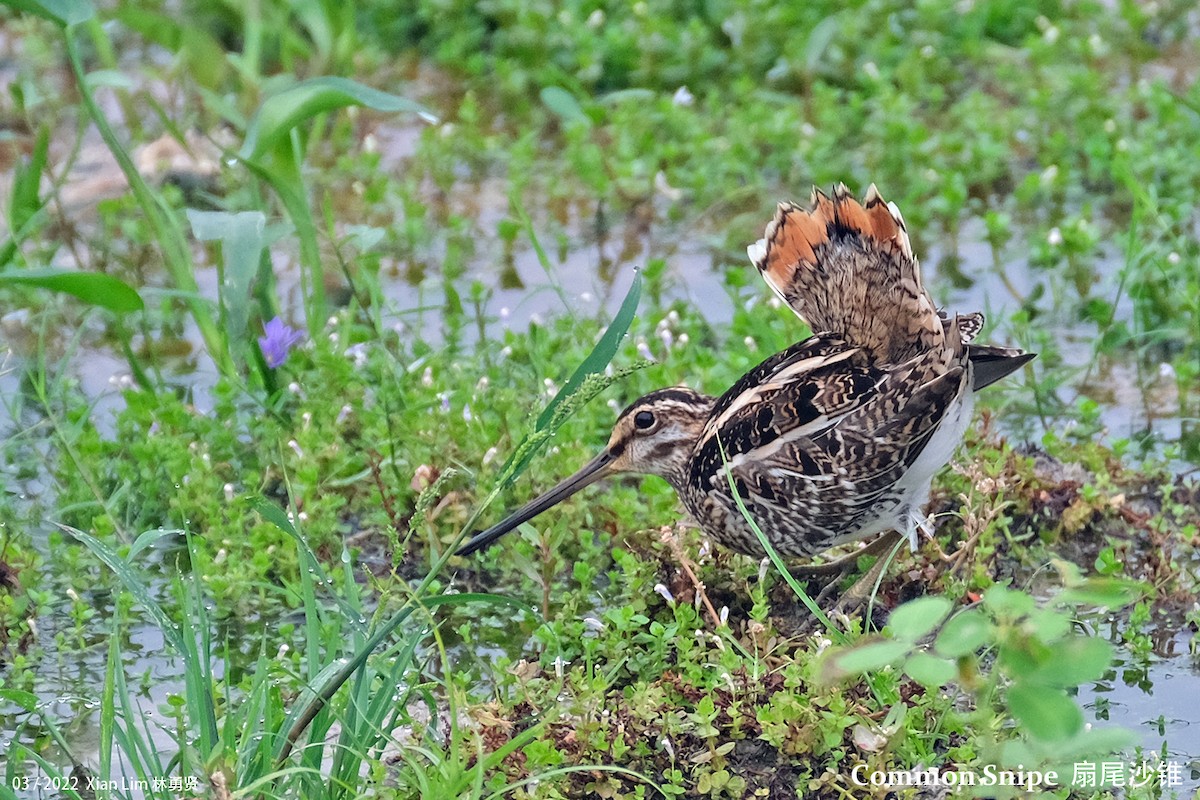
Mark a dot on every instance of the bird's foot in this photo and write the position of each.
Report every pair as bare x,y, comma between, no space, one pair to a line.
846,563
857,598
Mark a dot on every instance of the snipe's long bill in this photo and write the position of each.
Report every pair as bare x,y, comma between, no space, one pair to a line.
837,437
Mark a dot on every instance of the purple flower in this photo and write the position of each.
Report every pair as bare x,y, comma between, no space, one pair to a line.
277,340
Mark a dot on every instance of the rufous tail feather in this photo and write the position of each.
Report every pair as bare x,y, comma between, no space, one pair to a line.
848,268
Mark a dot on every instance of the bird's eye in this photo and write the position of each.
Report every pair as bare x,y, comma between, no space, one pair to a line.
643,420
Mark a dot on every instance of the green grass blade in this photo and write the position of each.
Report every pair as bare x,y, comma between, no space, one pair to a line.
91,287
282,112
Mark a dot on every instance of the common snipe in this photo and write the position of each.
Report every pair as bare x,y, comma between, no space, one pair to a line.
835,438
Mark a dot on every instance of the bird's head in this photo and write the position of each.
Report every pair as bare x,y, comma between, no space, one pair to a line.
655,435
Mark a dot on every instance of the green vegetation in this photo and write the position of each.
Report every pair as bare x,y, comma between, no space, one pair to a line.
279,506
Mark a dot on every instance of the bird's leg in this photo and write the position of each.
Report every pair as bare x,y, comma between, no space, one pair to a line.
858,594
847,562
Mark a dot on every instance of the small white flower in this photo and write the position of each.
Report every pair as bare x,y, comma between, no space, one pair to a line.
358,354
489,456
644,350
927,51
282,652
1048,175
871,70
505,314
444,401
595,19
750,344
664,187
1165,370
673,317
482,384
344,413
1110,125
593,624
221,555
1173,258
292,443
683,340
294,387
807,130
665,743
662,590
683,97
302,516
1054,238
763,566
228,492
467,413
1051,34
666,337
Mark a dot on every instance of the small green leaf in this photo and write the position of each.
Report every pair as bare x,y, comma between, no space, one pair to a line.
564,105
930,671
1044,712
871,656
61,12
965,633
282,112
148,538
1008,603
91,287
914,619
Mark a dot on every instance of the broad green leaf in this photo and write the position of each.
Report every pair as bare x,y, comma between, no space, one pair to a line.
242,239
1076,661
914,619
869,657
964,634
1043,712
26,700
1102,592
91,287
282,112
110,79
564,105
930,671
61,12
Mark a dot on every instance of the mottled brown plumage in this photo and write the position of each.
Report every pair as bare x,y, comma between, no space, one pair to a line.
836,438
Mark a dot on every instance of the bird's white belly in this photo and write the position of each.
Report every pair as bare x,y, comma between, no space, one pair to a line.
914,486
